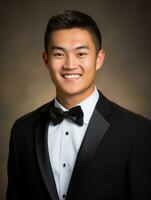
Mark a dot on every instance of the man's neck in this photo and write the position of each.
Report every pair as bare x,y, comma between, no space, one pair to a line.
69,101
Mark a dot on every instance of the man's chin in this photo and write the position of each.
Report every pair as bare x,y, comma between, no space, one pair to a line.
69,91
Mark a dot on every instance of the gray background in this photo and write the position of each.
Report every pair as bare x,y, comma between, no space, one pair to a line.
24,80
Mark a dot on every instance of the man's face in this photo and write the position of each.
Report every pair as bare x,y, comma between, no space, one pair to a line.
72,61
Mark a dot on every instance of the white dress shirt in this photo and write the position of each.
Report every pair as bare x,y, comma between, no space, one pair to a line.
64,141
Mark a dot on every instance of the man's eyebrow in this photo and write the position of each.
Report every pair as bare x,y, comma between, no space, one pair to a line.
56,47
62,49
82,47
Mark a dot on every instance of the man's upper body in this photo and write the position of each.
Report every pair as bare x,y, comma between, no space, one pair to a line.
106,156
113,161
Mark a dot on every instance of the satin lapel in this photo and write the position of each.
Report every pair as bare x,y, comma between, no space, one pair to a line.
97,128
43,156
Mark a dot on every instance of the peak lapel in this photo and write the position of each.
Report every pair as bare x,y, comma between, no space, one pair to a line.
43,156
97,128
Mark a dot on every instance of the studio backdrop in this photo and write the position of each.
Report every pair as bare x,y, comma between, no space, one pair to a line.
25,84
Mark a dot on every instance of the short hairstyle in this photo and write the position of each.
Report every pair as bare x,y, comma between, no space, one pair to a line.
73,19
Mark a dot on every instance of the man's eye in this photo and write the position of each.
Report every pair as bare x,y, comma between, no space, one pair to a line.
58,54
82,54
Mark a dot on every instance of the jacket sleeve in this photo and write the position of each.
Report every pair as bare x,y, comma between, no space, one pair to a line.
140,165
13,170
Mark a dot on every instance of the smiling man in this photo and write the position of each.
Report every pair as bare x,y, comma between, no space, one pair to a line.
79,146
72,60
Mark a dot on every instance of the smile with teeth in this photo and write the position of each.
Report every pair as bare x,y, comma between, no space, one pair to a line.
71,76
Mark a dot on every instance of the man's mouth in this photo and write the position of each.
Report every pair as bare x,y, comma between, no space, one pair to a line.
71,76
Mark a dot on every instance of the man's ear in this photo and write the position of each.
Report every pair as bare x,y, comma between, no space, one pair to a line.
45,59
100,59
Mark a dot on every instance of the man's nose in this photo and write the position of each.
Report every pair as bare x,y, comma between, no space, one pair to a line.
71,62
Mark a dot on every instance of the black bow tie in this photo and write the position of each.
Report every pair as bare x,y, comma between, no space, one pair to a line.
75,114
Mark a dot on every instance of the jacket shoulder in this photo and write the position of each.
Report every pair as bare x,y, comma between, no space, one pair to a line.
116,113
33,115
126,116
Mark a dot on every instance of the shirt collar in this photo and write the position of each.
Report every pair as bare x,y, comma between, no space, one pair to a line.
87,105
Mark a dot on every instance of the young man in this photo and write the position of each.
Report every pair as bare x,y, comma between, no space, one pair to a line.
80,146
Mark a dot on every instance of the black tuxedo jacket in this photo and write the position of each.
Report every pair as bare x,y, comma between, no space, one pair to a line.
114,160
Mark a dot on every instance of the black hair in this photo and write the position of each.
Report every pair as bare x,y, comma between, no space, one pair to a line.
72,19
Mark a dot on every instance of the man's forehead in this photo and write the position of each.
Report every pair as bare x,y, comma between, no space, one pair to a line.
73,35
71,39
74,29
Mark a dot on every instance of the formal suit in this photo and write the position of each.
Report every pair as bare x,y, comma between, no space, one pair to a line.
114,160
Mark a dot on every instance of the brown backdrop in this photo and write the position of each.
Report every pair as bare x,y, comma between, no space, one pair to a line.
25,85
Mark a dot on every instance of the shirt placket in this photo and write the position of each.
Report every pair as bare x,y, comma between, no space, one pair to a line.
64,160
